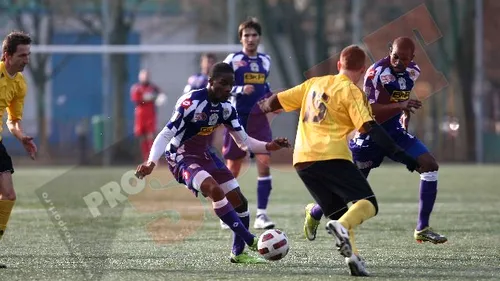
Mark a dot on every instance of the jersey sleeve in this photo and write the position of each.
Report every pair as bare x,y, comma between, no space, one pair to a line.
236,90
291,99
16,106
371,84
171,135
356,104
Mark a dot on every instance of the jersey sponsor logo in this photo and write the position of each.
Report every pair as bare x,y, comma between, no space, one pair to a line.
387,78
399,96
186,103
254,78
413,74
212,120
206,131
371,73
199,117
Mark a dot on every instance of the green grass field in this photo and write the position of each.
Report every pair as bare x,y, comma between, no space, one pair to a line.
133,240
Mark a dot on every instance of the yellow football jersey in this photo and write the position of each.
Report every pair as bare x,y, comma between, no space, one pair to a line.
331,107
12,93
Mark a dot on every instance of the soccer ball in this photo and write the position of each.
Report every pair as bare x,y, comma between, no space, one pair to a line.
273,244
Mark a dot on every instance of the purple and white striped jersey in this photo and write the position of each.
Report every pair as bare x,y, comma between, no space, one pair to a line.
382,85
249,71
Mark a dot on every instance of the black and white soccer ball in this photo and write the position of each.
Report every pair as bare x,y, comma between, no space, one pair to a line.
273,245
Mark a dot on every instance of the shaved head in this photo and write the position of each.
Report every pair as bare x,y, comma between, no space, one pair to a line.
404,43
402,53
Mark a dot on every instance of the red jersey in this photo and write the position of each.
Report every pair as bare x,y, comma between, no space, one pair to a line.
144,95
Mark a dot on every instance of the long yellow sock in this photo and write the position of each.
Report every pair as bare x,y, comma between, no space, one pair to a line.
5,210
357,214
353,242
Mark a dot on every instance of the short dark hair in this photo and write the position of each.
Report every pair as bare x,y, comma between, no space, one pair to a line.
250,23
12,40
211,56
352,58
404,43
220,68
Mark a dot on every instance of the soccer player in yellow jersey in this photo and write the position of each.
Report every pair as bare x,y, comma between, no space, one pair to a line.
331,107
15,56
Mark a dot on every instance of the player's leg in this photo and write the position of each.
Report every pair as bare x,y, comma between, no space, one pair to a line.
7,193
328,190
234,157
236,198
352,185
427,190
258,128
428,193
366,157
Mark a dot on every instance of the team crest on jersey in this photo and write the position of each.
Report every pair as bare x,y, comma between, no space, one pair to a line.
402,83
186,103
387,78
199,117
226,113
212,120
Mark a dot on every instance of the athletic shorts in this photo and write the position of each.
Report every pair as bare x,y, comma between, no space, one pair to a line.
5,160
368,155
192,170
335,183
256,125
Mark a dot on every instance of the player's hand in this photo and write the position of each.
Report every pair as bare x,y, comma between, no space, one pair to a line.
29,146
144,170
248,89
411,105
278,144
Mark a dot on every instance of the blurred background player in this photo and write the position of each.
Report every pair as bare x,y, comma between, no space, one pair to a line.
200,80
388,84
146,96
251,71
15,56
193,162
331,107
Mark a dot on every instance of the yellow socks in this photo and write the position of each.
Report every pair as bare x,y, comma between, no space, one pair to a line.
5,210
357,214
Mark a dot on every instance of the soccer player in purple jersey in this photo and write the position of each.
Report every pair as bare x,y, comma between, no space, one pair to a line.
185,143
200,80
251,70
388,84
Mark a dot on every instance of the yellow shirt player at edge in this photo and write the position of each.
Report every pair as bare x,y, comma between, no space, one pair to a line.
15,56
331,107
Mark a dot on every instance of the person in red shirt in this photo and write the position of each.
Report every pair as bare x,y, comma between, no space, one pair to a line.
145,95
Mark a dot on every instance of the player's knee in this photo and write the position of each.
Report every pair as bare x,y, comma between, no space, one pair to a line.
373,200
211,188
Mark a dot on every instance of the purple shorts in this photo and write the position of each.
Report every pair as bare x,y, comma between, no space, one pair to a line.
368,155
256,126
192,170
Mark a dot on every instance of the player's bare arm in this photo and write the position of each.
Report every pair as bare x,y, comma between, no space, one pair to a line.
16,130
270,104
